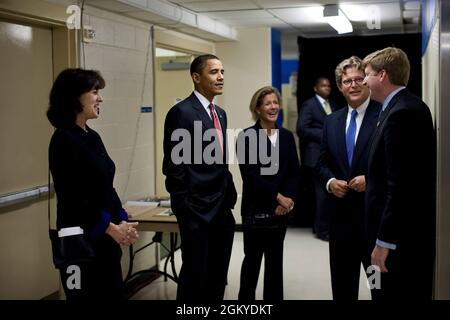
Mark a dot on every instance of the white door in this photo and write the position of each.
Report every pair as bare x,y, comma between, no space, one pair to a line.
26,77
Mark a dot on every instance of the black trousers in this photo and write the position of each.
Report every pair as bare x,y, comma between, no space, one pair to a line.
322,209
206,252
99,279
348,251
259,241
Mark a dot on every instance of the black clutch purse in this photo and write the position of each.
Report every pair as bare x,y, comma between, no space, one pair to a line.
70,250
265,221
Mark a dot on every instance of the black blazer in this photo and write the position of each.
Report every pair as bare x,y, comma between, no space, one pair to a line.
196,187
309,129
83,176
333,158
401,175
259,191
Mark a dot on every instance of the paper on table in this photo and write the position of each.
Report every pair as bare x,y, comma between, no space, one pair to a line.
167,212
165,203
135,208
153,204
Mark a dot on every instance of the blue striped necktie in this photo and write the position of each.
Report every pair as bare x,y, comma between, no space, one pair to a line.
350,137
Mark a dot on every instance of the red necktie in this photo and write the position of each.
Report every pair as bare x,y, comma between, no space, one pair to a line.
216,124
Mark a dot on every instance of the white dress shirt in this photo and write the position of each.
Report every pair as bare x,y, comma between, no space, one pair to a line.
361,110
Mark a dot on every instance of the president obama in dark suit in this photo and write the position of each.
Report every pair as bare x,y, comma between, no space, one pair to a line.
401,182
341,167
200,185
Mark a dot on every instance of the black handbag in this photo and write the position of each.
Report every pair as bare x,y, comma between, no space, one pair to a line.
264,220
70,250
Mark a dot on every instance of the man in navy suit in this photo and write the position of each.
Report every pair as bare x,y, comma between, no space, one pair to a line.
309,129
342,166
200,185
401,178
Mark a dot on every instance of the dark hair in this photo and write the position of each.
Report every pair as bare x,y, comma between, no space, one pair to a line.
319,80
199,63
65,94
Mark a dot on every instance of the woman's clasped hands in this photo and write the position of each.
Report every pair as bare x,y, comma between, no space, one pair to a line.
124,233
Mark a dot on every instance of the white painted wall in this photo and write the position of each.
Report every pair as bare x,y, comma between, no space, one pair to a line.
121,52
431,72
248,67
431,85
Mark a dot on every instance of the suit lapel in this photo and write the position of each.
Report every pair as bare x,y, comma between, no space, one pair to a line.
207,122
201,113
333,106
381,121
340,138
320,106
365,132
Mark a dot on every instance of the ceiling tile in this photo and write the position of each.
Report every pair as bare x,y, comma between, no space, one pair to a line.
211,6
240,15
364,12
112,5
306,15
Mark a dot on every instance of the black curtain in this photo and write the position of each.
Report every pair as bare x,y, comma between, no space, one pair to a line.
320,56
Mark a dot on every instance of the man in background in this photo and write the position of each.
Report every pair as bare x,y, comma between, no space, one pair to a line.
309,129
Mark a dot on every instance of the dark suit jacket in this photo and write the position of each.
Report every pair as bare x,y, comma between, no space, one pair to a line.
83,175
309,129
259,192
333,161
196,188
401,176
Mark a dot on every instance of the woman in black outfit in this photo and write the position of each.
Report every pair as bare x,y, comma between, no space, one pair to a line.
83,175
270,171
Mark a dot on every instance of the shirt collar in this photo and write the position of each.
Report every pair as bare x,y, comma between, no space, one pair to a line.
390,96
362,108
258,125
205,102
322,100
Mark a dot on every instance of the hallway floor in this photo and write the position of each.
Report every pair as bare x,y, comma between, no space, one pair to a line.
306,271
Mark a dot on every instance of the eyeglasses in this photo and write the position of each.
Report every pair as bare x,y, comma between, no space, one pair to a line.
348,82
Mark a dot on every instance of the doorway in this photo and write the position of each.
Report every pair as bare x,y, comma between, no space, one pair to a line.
173,83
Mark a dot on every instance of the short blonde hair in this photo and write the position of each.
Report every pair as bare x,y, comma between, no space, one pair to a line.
353,61
258,98
394,61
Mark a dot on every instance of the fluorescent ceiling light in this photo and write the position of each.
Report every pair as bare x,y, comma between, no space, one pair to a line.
354,12
337,19
160,52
